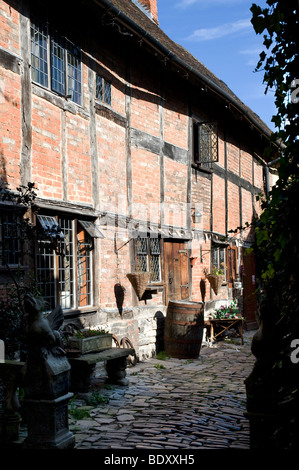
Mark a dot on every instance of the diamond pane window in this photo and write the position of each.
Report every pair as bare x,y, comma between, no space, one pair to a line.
141,254
155,253
148,257
205,143
103,90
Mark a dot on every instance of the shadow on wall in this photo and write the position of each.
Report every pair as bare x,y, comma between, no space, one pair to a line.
160,331
119,292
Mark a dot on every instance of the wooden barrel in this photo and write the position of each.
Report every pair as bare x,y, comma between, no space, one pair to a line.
183,329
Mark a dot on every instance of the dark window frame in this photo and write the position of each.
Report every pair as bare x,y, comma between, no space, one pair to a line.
56,62
10,238
205,143
103,89
150,257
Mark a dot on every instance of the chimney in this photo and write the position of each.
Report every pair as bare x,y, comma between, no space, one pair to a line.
151,7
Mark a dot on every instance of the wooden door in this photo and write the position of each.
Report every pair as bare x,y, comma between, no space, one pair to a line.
249,293
176,264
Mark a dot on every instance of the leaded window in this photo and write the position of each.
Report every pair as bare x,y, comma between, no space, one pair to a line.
103,90
54,56
218,260
148,257
10,238
39,53
205,139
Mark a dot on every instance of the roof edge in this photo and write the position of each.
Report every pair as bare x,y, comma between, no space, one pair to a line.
173,57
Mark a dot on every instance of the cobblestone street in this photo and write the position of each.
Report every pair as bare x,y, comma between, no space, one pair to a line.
173,404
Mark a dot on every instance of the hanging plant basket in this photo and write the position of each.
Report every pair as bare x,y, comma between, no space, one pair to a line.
216,281
139,281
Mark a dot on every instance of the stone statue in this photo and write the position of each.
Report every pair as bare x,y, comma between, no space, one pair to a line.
43,336
46,379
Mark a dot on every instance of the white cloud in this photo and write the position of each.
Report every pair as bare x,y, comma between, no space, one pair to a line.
207,34
186,3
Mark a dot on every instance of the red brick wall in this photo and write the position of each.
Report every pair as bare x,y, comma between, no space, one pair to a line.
10,127
156,96
46,149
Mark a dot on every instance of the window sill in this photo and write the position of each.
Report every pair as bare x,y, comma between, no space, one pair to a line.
155,287
56,99
201,168
71,312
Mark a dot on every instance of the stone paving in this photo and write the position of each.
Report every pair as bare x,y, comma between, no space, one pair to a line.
172,404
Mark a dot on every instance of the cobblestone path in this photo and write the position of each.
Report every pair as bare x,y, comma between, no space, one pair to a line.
174,404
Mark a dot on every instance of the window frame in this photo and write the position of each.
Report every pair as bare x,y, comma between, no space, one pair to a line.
149,255
198,161
220,250
59,269
53,38
12,242
105,82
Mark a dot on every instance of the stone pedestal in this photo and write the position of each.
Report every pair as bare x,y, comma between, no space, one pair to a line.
48,423
46,384
10,419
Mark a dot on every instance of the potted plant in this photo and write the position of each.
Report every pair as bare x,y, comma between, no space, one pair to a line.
229,312
88,341
139,281
215,278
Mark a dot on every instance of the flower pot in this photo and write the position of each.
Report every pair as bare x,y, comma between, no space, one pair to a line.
215,281
139,281
90,344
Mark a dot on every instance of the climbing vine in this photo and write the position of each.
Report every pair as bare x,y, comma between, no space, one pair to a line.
277,228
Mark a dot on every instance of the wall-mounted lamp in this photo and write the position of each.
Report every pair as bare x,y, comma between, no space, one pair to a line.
196,216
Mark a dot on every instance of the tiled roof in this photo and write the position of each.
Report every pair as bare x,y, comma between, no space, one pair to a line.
129,13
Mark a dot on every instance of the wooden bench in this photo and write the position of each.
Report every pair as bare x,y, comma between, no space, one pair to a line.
83,367
224,325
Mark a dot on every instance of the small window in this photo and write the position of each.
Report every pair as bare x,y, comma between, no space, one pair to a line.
218,260
148,257
103,90
205,141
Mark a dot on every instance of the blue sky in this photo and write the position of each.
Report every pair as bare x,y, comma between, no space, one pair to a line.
219,34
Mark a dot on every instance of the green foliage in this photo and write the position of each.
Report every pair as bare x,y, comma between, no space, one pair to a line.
97,399
90,332
162,356
277,240
227,313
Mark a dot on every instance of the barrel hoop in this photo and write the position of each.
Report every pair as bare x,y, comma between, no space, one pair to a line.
184,323
177,340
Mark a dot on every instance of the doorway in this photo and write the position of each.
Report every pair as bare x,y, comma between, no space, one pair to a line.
176,262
